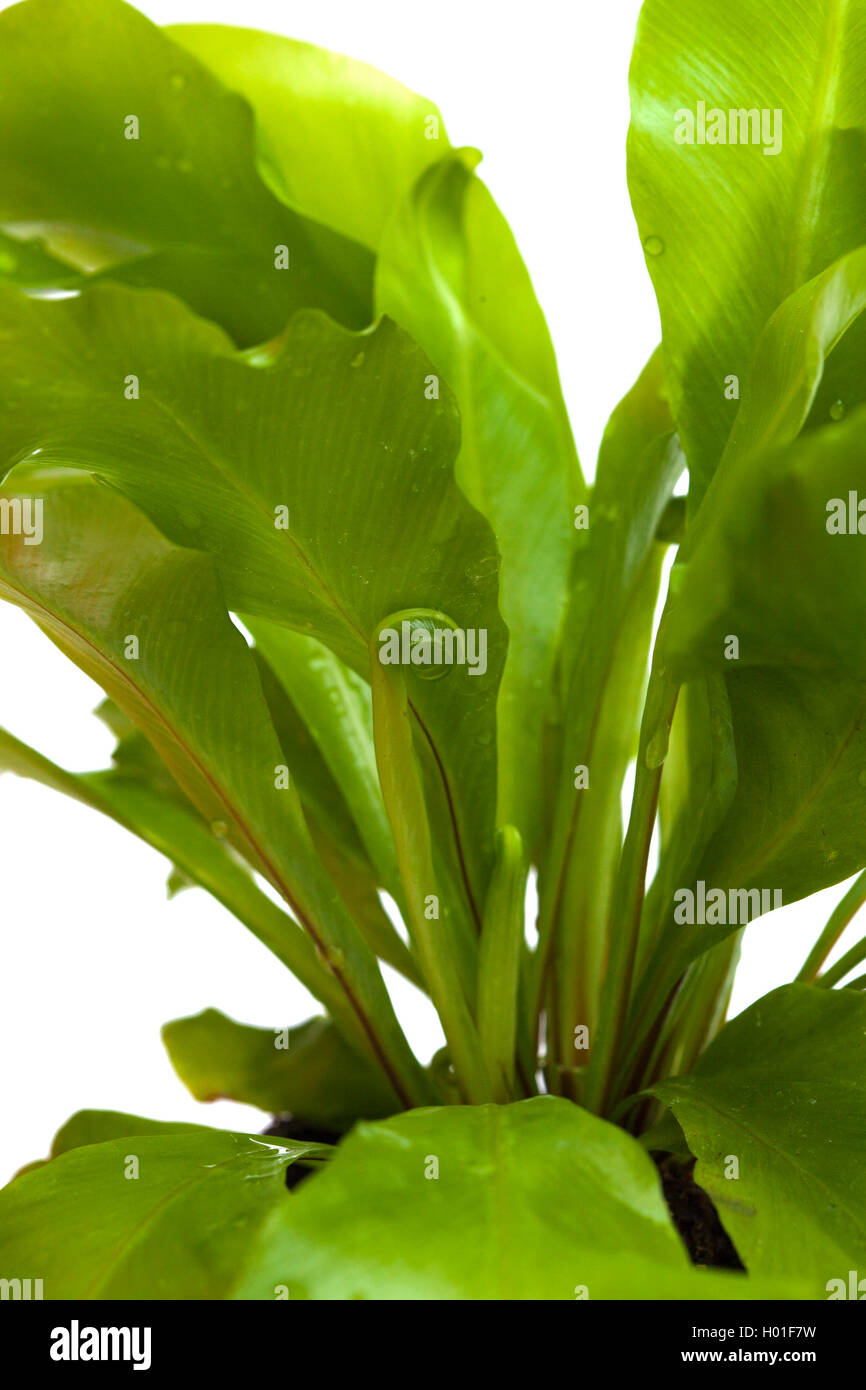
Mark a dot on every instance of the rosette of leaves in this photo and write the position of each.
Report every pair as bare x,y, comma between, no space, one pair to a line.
269,356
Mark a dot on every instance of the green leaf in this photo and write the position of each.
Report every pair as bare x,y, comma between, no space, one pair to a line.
765,568
27,262
133,758
446,1204
216,445
181,196
182,682
700,777
335,707
502,945
605,648
448,957
99,1126
324,804
318,110
177,1224
792,824
450,272
697,788
24,761
310,1074
794,354
843,913
323,680
729,230
357,886
762,566
776,561
781,1090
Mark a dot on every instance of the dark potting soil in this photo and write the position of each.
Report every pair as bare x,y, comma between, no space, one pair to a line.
695,1217
286,1127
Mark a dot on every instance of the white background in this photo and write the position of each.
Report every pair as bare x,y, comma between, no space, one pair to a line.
94,958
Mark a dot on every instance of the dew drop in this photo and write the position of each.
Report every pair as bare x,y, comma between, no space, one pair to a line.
657,748
837,410
358,359
431,621
219,828
654,246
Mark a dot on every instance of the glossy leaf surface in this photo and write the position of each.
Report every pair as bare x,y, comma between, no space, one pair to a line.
737,210
447,1204
319,110
154,632
118,146
781,1091
450,272
166,1216
249,461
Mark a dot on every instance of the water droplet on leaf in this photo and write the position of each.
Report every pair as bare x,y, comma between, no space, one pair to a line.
657,748
428,620
837,410
654,246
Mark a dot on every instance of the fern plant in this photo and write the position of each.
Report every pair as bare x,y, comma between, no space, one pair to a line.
270,360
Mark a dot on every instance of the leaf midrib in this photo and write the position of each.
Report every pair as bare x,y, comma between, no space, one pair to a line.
272,872
261,506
